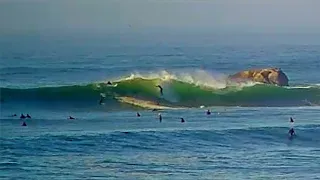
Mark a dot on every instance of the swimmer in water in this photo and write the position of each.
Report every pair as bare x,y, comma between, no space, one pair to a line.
161,89
22,116
71,117
208,112
182,120
138,114
14,115
291,132
160,117
24,124
109,83
28,116
291,120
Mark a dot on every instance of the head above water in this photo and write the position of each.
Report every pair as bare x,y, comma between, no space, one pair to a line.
291,119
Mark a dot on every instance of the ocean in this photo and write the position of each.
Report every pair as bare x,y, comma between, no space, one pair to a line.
54,76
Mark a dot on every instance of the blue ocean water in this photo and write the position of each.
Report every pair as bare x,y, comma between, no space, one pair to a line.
52,77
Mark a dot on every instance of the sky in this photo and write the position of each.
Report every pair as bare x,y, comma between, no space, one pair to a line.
121,16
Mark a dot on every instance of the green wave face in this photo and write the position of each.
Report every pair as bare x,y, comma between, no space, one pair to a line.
175,92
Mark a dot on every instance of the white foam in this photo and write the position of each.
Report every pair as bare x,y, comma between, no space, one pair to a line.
304,87
197,77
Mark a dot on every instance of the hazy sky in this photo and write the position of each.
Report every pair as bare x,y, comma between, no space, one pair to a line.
163,15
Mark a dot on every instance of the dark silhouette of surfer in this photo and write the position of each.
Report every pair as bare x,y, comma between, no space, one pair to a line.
109,83
13,115
160,117
138,114
182,120
22,116
208,112
161,93
24,124
70,117
28,116
291,131
101,99
161,89
291,120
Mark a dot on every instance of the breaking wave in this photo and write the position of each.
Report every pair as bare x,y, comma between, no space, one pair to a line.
198,89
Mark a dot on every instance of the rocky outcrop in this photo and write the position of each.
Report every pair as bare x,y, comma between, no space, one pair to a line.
273,76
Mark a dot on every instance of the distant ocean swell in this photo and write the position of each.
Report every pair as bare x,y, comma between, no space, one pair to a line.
307,136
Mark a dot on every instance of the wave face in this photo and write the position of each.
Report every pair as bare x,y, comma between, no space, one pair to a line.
176,92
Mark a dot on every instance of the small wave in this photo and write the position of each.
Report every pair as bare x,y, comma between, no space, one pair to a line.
306,135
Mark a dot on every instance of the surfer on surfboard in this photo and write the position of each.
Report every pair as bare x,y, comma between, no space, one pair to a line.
161,93
161,89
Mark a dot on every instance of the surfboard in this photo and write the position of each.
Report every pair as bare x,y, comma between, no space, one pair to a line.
143,103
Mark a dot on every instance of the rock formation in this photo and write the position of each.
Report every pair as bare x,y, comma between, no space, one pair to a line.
273,76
